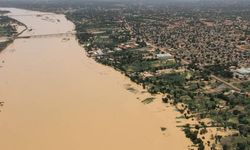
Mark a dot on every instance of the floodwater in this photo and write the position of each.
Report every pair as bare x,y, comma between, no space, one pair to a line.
56,98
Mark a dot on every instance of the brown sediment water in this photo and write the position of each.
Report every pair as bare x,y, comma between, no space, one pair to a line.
56,98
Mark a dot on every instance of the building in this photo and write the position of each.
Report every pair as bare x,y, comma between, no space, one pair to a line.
164,56
242,73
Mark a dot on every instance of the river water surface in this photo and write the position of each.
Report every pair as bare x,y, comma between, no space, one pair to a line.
56,98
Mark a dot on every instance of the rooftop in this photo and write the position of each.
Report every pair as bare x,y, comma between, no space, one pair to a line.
244,71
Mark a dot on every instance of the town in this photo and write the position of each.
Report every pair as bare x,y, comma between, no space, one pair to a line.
200,61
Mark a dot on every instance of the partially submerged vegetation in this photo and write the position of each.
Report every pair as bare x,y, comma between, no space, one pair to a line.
148,100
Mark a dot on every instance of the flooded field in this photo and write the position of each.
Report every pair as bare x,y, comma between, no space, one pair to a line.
56,98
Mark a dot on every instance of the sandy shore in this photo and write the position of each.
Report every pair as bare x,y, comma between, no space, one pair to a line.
58,98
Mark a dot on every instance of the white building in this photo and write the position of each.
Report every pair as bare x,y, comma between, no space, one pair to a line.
164,56
242,73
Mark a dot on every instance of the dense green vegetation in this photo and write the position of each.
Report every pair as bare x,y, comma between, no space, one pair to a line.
220,70
6,30
3,45
5,27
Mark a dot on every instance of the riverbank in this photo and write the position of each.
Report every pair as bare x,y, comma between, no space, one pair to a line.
71,102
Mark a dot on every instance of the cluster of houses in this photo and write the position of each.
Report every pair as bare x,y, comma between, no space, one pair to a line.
206,40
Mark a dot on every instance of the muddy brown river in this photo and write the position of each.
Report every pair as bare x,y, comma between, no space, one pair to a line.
56,98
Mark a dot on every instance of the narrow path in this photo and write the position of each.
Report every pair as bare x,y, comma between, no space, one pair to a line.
226,83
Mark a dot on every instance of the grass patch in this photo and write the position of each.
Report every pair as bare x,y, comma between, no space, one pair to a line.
149,65
244,86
